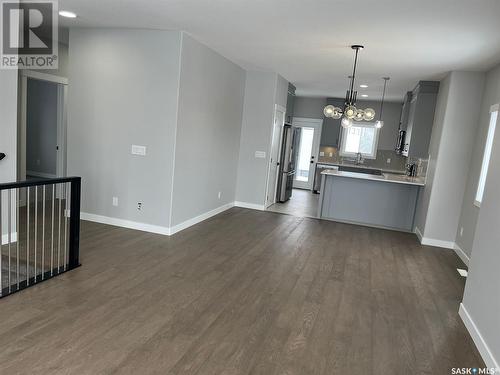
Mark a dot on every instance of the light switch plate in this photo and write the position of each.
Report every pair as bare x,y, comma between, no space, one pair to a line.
321,153
138,150
260,154
115,201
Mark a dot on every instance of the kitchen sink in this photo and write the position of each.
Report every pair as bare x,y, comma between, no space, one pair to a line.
376,172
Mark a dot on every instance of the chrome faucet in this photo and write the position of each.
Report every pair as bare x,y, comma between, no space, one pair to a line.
359,158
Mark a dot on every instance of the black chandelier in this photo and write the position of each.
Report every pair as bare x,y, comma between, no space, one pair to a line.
350,113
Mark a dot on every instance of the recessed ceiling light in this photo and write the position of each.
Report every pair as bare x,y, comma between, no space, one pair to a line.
364,96
67,14
363,86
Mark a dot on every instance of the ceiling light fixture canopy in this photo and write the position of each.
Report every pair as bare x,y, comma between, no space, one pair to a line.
350,113
380,123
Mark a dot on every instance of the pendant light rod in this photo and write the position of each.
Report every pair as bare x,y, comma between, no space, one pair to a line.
356,47
383,96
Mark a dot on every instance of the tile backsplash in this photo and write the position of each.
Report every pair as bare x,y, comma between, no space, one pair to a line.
386,159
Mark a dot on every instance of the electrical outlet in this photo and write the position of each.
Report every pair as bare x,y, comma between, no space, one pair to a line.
331,154
321,153
138,150
37,161
115,201
139,206
220,194
461,231
388,160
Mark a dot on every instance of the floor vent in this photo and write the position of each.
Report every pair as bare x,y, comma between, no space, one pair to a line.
462,272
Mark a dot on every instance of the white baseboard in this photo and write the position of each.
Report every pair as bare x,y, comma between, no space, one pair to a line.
433,242
419,234
443,244
462,255
251,206
125,223
40,174
154,228
200,218
438,243
478,339
5,238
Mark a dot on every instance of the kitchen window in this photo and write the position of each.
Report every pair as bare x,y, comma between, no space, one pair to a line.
360,138
487,155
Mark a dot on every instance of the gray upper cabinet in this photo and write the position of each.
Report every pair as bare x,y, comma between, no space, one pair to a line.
405,112
420,119
330,133
290,103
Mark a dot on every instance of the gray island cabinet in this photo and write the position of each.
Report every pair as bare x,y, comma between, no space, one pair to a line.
387,201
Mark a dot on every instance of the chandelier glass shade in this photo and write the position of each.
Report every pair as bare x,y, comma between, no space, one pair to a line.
350,113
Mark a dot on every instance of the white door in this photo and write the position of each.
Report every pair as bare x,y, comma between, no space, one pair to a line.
307,157
272,176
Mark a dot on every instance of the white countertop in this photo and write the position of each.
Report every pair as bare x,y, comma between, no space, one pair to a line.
340,164
385,177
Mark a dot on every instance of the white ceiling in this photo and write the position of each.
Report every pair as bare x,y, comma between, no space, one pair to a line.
307,41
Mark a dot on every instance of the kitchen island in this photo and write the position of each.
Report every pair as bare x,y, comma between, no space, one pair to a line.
384,201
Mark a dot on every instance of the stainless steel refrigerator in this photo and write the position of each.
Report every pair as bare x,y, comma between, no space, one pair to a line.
290,143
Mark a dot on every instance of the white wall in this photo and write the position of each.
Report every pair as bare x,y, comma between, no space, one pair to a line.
208,131
123,90
482,290
8,124
8,134
437,130
262,91
469,213
452,141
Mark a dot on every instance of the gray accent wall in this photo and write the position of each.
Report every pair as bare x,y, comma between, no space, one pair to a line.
211,98
123,91
313,108
391,115
41,127
482,289
469,213
455,126
309,107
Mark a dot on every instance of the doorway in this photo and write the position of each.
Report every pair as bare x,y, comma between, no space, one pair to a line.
310,133
42,126
303,202
272,175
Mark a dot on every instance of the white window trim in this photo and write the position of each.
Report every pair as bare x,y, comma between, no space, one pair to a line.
351,154
487,154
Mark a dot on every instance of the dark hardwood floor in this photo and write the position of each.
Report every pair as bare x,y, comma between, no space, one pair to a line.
245,292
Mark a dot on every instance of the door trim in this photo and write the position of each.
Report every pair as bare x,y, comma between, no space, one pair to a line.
277,108
62,91
317,124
